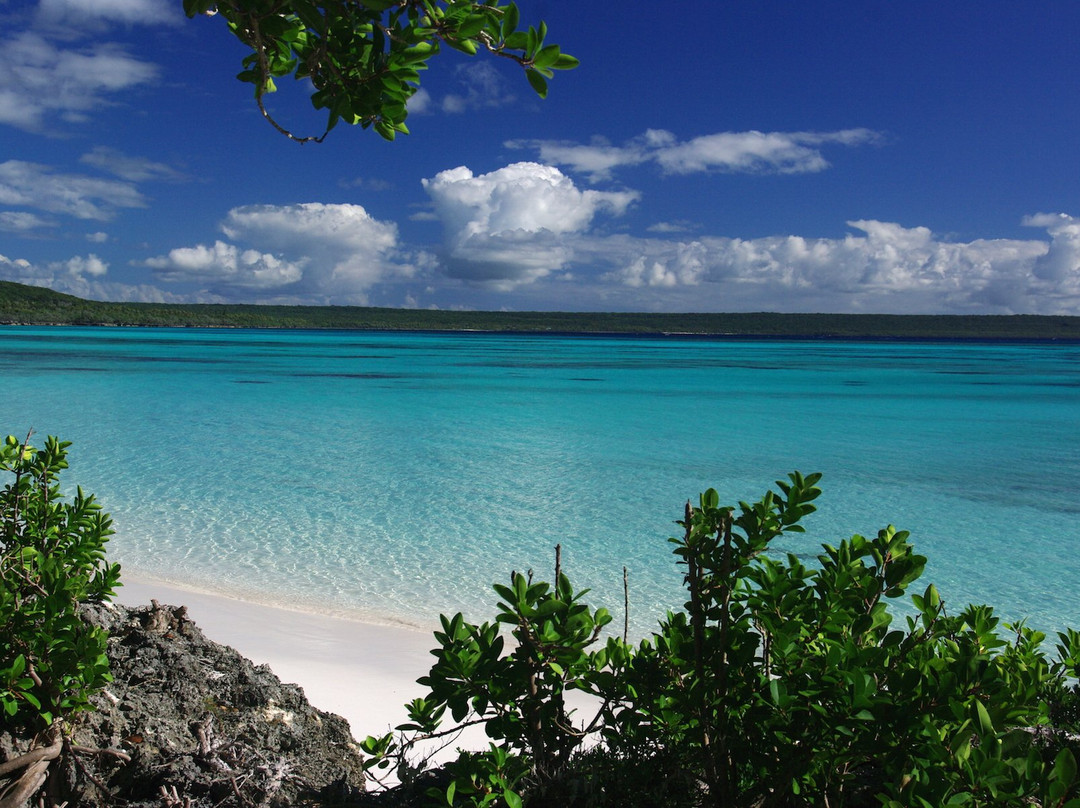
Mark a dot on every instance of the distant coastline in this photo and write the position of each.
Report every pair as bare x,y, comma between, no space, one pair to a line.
36,306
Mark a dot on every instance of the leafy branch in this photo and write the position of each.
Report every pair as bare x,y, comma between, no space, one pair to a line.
364,57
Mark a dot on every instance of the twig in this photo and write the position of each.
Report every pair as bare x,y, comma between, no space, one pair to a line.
30,758
36,764
116,753
172,799
82,767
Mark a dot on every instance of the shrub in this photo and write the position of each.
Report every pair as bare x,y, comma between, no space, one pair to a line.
52,558
778,684
518,696
786,684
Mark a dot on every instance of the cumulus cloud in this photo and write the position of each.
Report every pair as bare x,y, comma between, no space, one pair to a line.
127,167
881,267
86,265
81,275
76,267
313,251
225,265
39,79
38,186
733,152
510,226
1062,260
13,268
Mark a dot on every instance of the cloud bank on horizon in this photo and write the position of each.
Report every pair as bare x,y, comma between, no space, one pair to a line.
584,222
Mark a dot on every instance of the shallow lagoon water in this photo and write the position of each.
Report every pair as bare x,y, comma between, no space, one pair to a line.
396,475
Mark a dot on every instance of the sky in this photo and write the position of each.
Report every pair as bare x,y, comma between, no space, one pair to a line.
747,155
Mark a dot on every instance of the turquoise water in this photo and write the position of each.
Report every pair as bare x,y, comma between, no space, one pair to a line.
395,476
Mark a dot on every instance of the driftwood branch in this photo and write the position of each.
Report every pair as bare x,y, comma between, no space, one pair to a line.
35,765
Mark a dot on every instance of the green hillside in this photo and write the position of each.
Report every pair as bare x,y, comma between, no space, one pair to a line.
31,305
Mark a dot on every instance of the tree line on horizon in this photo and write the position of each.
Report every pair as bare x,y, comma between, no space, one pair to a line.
32,305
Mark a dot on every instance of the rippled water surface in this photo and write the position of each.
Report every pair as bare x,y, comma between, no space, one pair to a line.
397,475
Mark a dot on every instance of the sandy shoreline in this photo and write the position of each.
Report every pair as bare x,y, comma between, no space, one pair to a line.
364,672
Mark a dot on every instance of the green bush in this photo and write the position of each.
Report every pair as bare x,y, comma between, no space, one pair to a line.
518,696
52,558
785,684
778,684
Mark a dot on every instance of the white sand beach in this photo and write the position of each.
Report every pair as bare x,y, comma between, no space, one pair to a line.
362,671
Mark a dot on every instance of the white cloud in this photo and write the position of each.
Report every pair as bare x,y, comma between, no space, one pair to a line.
597,159
134,169
38,79
419,102
1062,261
883,267
683,266
38,186
128,12
10,266
226,265
507,227
366,184
681,226
481,86
22,222
88,265
97,238
76,267
82,276
321,253
734,152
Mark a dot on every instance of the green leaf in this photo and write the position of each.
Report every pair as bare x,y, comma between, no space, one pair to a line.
464,45
546,56
518,40
537,82
1064,770
985,723
471,27
778,693
509,21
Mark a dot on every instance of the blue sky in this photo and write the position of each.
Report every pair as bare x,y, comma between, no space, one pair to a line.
737,156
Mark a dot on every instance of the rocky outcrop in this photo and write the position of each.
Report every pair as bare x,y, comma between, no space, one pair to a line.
200,726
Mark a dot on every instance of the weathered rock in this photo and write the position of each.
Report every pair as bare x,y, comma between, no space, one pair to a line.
203,726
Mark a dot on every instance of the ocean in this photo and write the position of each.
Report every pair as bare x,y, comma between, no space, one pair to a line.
394,476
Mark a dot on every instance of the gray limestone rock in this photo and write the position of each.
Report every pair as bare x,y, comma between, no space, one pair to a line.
202,726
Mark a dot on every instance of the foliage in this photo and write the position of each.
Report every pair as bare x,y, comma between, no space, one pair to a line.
518,696
783,684
52,558
364,57
779,683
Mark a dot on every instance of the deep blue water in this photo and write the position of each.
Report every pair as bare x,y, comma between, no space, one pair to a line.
397,475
